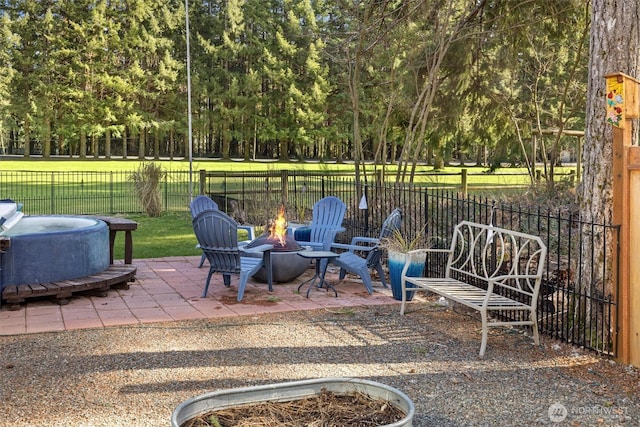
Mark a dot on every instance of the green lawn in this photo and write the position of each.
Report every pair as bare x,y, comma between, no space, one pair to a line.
172,235
168,235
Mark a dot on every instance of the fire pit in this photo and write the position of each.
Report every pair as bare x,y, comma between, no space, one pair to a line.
285,261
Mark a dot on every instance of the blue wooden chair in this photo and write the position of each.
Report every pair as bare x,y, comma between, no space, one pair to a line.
326,223
365,244
217,235
350,261
200,204
203,203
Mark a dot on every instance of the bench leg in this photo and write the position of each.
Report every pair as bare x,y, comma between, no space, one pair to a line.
485,332
404,298
534,326
403,289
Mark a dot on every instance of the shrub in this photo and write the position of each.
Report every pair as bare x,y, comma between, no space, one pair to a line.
146,181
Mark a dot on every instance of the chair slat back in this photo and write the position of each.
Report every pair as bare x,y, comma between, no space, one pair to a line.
391,223
326,221
200,204
217,234
328,211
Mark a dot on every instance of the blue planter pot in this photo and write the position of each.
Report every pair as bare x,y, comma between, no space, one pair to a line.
397,261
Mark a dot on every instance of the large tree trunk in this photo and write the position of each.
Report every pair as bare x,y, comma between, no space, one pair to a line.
107,144
226,145
46,138
27,138
614,47
125,147
171,143
142,143
83,144
94,146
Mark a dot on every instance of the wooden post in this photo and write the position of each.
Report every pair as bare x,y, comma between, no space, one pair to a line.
622,107
633,307
203,181
464,186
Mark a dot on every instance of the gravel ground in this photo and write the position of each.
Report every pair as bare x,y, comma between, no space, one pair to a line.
137,375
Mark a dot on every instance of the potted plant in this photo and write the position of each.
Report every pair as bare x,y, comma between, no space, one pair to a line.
397,246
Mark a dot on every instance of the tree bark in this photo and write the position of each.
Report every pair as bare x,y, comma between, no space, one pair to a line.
83,144
124,143
107,144
614,47
46,138
27,138
142,145
94,146
156,144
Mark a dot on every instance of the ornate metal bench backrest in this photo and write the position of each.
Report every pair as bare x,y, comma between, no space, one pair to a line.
513,262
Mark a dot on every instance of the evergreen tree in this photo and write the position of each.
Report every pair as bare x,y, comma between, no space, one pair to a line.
7,41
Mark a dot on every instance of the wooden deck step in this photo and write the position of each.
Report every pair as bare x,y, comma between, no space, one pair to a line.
116,276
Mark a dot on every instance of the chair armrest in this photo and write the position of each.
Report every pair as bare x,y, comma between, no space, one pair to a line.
331,237
367,240
257,249
365,244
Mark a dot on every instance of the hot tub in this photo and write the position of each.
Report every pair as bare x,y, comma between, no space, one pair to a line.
52,248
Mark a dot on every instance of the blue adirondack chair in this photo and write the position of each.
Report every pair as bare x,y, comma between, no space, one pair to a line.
200,204
326,223
351,262
203,203
365,244
217,235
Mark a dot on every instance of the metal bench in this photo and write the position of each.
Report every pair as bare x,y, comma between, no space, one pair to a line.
489,269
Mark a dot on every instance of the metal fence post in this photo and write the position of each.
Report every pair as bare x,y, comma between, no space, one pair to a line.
284,174
166,192
111,209
463,182
53,195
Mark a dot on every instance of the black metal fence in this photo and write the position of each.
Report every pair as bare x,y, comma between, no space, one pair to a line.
574,306
84,192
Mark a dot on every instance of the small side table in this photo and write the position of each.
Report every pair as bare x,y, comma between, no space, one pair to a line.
120,224
319,256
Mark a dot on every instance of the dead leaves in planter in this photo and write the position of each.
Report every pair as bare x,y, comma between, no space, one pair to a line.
326,409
